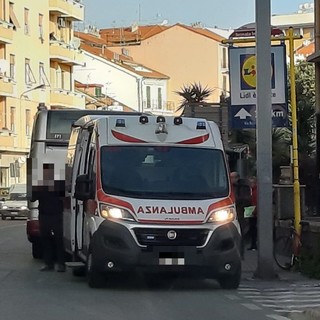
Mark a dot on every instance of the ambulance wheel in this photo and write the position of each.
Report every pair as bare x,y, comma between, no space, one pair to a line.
95,278
231,281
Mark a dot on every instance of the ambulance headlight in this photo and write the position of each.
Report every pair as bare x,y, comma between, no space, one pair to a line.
5,207
109,212
222,215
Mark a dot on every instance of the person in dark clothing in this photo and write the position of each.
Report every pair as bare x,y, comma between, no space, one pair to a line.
242,195
50,207
51,230
253,232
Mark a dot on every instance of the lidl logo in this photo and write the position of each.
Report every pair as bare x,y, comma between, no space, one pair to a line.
248,65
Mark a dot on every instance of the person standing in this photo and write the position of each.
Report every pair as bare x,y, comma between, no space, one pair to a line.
242,195
50,209
253,232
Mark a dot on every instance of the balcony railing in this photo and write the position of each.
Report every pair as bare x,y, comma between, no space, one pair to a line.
61,98
65,53
6,32
6,86
153,106
67,8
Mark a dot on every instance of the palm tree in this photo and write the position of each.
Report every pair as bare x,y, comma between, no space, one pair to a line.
193,94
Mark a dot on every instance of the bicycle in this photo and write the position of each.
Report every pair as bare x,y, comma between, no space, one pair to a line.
287,247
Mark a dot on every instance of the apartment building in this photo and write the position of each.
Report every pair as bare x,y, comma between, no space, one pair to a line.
37,56
122,79
186,54
302,22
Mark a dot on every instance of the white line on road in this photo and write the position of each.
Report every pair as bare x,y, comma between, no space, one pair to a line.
232,297
277,317
251,306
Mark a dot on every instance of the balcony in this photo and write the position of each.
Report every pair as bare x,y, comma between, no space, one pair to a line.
67,8
65,53
6,86
60,98
6,32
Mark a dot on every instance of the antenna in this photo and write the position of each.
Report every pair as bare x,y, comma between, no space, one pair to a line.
76,43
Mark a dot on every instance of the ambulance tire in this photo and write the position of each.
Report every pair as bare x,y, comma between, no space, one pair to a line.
95,278
231,281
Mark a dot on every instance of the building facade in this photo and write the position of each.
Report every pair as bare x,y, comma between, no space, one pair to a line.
35,66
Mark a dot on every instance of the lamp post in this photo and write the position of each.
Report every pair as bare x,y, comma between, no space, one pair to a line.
40,86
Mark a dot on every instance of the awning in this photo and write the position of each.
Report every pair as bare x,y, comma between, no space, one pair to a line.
13,17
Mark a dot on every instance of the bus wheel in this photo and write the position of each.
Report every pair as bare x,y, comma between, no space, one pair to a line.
95,278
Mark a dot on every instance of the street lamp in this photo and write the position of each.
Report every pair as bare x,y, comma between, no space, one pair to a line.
40,86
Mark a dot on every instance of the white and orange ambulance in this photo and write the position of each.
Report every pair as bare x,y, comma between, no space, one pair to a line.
152,193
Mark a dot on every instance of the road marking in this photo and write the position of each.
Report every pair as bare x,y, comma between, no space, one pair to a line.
232,297
251,306
277,317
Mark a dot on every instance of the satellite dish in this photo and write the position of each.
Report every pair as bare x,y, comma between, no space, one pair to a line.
4,66
164,22
22,160
76,43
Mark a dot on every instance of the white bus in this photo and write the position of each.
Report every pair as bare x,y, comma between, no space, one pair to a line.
49,142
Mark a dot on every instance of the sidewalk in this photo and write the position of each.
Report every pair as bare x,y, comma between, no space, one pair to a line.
249,268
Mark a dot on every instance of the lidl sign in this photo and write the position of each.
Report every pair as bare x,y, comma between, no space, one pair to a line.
243,77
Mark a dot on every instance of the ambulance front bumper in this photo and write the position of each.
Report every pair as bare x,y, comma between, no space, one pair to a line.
114,249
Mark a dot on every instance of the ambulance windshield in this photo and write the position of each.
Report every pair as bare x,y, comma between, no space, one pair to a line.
166,172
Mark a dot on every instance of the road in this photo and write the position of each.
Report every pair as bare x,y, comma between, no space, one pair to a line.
28,294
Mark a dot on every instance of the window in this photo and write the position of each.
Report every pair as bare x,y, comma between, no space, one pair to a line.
98,91
41,26
159,98
12,119
26,21
28,122
12,16
148,97
224,58
224,84
43,79
29,76
12,66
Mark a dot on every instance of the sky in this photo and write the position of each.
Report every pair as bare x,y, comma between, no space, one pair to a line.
222,14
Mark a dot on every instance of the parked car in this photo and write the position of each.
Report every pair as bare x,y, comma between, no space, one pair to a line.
16,205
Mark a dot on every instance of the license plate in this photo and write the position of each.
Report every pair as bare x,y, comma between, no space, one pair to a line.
171,259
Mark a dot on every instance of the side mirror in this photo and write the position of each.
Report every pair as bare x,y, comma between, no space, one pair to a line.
83,187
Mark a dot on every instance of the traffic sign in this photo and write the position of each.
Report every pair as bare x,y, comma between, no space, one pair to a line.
244,116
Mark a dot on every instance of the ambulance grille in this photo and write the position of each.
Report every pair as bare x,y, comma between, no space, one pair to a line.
159,237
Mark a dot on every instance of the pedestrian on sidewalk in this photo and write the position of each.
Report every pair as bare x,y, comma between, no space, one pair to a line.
253,232
242,195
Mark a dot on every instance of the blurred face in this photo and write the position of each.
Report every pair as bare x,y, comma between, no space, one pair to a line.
252,182
234,177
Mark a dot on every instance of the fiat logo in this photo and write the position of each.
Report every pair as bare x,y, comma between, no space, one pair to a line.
171,235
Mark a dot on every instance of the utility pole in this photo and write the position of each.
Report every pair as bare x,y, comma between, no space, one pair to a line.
265,268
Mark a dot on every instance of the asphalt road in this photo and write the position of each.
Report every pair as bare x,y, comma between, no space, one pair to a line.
28,294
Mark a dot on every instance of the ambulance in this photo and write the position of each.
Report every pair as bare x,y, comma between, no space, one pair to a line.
150,193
